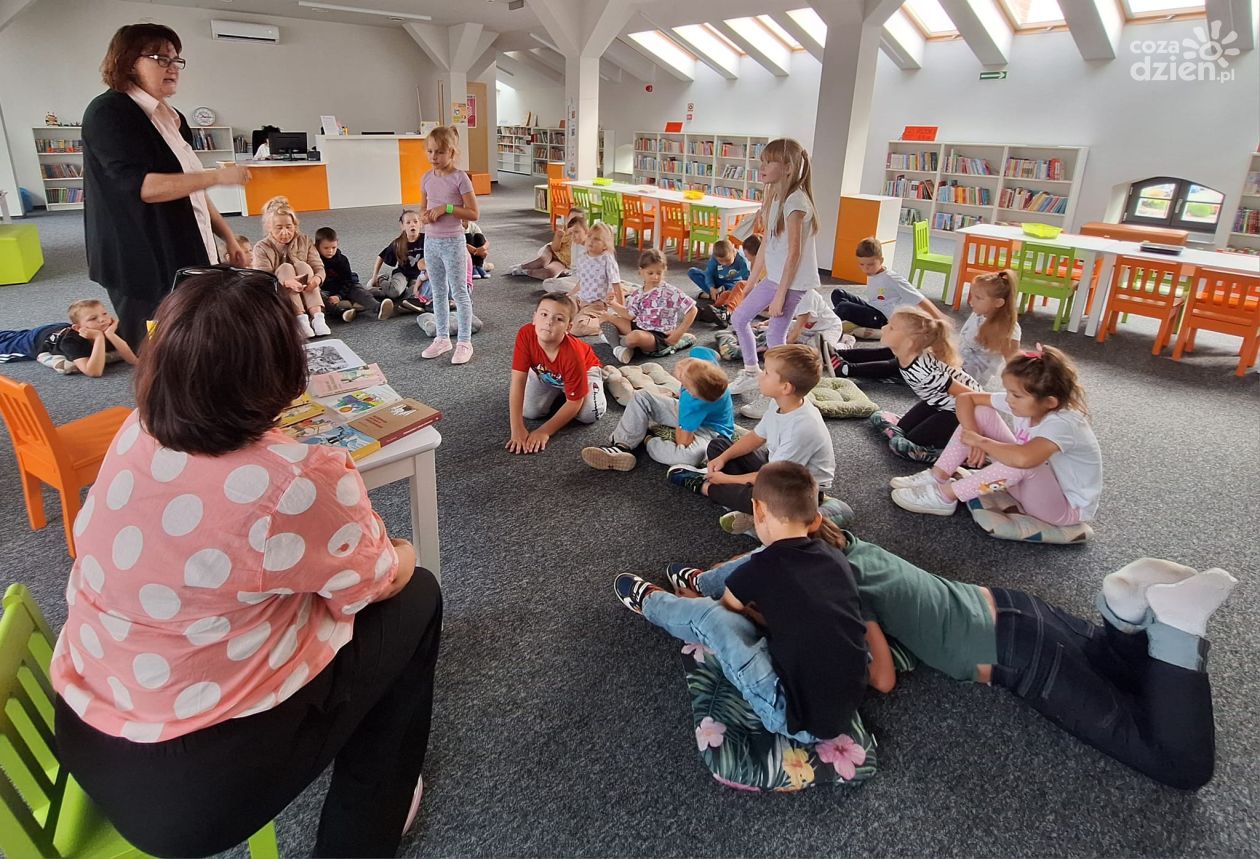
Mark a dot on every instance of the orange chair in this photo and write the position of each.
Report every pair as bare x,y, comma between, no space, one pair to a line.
1227,302
561,203
736,223
982,255
633,217
67,457
1147,288
674,226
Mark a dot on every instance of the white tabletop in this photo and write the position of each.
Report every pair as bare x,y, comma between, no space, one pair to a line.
1097,244
252,165
651,192
407,446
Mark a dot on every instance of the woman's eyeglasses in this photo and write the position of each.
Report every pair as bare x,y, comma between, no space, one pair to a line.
240,274
165,61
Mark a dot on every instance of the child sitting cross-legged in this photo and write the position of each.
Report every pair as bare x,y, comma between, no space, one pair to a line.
792,429
290,255
342,292
788,629
548,362
598,280
651,320
702,412
86,345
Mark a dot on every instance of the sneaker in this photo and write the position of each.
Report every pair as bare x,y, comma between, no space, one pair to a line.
438,347
632,591
623,354
688,477
415,806
610,334
304,326
682,577
865,333
924,499
745,383
414,306
738,522
463,353
348,315
387,309
517,272
320,326
919,478
907,449
611,458
756,409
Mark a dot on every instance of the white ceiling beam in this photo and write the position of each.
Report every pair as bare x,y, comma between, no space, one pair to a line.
708,48
630,61
609,71
983,27
483,63
521,63
548,57
902,42
1236,15
810,41
582,27
685,71
10,9
879,11
756,41
1095,27
432,39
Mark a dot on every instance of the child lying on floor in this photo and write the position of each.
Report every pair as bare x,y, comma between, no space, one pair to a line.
86,345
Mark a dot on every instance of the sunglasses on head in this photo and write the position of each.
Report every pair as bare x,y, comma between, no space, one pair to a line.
240,274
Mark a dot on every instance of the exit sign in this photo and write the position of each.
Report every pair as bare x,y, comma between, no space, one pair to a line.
993,76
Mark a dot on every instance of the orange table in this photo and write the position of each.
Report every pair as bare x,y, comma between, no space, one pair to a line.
305,183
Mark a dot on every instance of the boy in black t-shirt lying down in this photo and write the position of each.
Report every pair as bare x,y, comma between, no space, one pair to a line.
84,346
788,630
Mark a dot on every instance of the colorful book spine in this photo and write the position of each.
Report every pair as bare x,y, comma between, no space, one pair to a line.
1247,221
920,162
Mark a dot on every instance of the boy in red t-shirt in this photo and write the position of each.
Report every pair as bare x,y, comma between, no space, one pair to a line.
548,362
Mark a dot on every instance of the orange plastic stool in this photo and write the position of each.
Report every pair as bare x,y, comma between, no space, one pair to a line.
633,217
674,226
1147,288
67,457
561,203
982,255
1227,302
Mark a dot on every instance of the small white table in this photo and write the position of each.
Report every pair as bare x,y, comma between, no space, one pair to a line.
728,208
412,459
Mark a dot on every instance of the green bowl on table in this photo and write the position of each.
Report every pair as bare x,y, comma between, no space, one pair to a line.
1041,231
601,180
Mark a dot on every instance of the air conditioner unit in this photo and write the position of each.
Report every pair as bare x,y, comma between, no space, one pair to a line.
242,31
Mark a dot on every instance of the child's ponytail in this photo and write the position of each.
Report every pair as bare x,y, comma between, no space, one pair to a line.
999,326
930,334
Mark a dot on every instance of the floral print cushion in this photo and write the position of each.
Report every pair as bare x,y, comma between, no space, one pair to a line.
743,755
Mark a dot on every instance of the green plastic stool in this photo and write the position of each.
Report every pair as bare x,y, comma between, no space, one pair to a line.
43,811
585,200
1047,270
610,209
704,226
20,254
925,261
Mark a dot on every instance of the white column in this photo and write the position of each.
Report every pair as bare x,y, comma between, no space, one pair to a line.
581,110
457,91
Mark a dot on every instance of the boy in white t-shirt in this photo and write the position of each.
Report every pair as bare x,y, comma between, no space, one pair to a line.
815,318
885,289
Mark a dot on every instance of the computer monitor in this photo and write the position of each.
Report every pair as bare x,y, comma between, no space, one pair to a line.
286,144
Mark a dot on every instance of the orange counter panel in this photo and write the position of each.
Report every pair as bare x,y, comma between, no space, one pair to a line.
857,219
413,163
306,187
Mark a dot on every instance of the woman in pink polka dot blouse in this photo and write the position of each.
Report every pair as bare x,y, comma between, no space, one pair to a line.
238,616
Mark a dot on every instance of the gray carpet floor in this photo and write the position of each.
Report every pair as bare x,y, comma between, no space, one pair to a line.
561,725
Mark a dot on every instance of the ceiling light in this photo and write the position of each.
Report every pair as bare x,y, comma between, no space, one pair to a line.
393,16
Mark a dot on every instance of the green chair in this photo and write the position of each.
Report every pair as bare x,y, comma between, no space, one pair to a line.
612,213
704,227
43,811
1048,271
585,199
925,261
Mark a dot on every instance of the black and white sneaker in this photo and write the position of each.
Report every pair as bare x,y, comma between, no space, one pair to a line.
610,334
610,458
387,309
682,577
632,591
688,477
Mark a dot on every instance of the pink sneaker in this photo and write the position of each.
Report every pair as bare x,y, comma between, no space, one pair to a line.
415,806
440,346
463,353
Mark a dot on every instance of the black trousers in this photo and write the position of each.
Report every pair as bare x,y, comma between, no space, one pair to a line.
367,713
878,363
853,308
356,294
736,496
928,426
133,312
1100,685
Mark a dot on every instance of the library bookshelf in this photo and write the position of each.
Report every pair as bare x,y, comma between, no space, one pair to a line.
1244,232
59,149
526,149
724,165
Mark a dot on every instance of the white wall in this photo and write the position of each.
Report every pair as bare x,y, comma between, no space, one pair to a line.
546,103
367,77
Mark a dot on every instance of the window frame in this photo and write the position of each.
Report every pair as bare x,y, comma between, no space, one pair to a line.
1177,204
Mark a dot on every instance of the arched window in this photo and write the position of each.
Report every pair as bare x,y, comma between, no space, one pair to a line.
1163,201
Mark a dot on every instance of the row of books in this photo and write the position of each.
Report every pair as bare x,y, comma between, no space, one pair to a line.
671,165
547,137
54,145
962,164
700,147
349,404
699,168
952,221
1032,201
921,161
733,171
909,216
1028,168
1247,221
68,170
1252,185
203,140
914,189
968,195
64,195
731,150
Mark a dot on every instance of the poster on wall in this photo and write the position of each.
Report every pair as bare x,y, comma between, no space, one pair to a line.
472,110
570,139
459,112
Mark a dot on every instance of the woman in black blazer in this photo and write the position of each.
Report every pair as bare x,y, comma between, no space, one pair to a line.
146,213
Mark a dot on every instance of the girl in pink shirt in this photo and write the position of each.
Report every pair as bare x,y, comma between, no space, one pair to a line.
210,665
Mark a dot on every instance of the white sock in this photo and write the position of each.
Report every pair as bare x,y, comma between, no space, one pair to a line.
1189,603
1125,589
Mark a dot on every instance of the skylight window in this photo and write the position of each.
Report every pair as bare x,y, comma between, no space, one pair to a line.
1033,14
721,37
930,18
711,49
781,34
1161,8
664,49
810,21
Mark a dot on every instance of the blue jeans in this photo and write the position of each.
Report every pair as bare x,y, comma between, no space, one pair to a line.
447,259
739,646
697,277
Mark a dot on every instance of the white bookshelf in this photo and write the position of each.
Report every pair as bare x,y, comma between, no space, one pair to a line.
516,151
725,165
213,144
59,149
548,145
1249,201
953,185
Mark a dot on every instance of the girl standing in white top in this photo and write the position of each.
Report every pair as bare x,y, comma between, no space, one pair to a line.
991,334
787,257
1051,464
